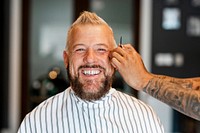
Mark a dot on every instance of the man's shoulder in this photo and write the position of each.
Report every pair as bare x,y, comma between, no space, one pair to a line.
130,99
45,112
51,102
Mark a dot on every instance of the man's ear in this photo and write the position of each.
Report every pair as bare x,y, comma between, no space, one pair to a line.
66,58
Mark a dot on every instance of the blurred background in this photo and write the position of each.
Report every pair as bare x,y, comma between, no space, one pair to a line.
33,35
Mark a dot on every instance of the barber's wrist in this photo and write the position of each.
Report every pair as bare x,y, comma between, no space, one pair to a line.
146,80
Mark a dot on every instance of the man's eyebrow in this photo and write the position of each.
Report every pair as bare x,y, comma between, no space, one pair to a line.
98,44
79,44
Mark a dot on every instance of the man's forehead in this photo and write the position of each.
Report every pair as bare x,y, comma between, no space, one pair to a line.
94,45
81,33
88,26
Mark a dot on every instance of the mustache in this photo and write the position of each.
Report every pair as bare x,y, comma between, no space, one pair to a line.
91,66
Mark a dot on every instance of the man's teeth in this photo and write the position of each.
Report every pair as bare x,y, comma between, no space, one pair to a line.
91,72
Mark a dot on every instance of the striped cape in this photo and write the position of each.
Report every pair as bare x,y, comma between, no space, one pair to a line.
116,112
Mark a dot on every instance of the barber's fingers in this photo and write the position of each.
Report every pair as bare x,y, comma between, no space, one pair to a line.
121,55
117,57
115,63
127,48
119,51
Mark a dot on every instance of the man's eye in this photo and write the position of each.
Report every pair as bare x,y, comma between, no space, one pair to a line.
80,49
102,50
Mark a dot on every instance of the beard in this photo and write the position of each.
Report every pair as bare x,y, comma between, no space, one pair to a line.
100,87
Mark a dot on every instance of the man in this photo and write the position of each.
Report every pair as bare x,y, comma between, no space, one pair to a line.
181,94
90,104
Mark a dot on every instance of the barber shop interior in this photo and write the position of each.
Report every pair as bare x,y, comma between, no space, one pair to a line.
165,33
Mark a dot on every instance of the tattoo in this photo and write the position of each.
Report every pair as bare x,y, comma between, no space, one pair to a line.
181,94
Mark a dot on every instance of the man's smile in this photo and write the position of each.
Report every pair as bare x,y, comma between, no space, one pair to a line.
90,72
93,70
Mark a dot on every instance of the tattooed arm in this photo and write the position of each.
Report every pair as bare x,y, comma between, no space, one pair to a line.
181,94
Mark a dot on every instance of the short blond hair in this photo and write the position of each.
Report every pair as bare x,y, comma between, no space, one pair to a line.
86,18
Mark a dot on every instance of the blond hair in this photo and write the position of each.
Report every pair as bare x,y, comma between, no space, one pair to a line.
86,18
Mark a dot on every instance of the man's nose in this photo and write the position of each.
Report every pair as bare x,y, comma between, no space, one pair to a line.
90,56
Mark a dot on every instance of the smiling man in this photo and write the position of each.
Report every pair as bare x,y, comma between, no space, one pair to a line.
90,104
89,71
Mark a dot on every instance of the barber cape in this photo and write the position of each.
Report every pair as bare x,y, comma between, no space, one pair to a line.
116,112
